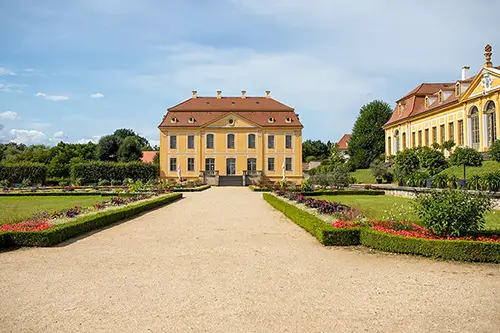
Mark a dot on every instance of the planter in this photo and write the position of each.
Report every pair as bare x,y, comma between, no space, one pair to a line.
378,180
428,183
462,184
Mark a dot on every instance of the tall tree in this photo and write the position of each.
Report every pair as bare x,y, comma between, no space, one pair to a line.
315,149
368,140
107,148
123,133
130,150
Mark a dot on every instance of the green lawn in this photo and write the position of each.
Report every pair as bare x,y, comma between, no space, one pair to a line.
363,176
488,166
14,209
377,207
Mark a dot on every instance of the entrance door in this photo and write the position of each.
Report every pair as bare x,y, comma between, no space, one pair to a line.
230,166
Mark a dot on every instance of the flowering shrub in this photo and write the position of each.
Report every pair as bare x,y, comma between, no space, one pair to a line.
323,206
26,226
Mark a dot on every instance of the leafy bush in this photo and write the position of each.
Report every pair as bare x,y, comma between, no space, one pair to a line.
91,172
27,182
128,181
440,180
64,183
492,181
432,160
452,181
116,182
452,212
18,172
103,182
417,179
381,170
78,182
466,157
338,177
4,183
407,161
495,151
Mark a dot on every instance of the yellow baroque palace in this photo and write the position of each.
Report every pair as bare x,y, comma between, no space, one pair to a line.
463,111
231,140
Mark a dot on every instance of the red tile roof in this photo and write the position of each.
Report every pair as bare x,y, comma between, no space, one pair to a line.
148,156
342,144
255,109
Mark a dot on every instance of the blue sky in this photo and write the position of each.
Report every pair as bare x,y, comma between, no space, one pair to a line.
75,70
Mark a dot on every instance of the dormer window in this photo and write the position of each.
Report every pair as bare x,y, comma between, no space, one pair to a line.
271,120
230,121
191,120
458,89
288,120
426,102
174,120
440,96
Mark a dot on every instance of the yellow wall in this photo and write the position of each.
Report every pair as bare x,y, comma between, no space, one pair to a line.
241,152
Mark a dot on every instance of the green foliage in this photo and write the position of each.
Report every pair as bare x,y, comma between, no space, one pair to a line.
156,158
440,181
64,183
432,160
495,151
124,133
130,150
116,182
368,138
407,161
417,179
103,182
315,150
381,170
325,233
464,156
62,232
203,188
4,183
107,148
27,182
448,145
34,173
492,181
452,212
338,176
445,249
310,159
343,192
92,172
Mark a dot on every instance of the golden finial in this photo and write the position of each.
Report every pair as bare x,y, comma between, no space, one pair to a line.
487,54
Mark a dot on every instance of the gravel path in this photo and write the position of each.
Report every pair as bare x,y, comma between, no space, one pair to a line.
224,261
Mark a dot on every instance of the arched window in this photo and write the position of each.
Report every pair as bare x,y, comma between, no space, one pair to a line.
474,125
396,141
491,123
210,141
230,141
251,141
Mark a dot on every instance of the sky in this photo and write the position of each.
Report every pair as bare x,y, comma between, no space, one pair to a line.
74,70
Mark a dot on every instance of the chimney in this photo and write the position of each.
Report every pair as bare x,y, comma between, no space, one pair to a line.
487,54
465,72
219,93
195,94
243,94
268,94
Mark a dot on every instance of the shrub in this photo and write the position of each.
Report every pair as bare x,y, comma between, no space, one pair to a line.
432,160
440,180
492,181
27,182
116,182
417,179
452,212
338,177
128,181
452,181
91,172
495,151
466,157
64,183
380,170
103,182
4,183
407,161
79,182
18,172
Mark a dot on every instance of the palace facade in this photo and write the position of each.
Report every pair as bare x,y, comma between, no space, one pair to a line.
463,111
231,140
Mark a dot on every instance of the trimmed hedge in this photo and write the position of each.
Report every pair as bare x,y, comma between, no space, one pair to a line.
445,249
344,192
325,233
192,189
63,194
92,172
259,189
16,173
62,232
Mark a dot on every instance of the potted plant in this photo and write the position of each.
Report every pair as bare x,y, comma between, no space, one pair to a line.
465,157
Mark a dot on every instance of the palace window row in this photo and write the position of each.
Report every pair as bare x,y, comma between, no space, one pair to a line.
210,164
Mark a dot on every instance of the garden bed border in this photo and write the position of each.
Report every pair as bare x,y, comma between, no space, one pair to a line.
192,189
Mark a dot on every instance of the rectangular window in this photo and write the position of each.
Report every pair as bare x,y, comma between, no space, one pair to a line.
270,142
288,164
210,166
210,141
443,137
190,164
389,147
419,138
288,142
461,132
251,141
451,131
230,141
270,164
173,142
173,164
190,141
404,141
413,140
251,165
427,137
434,134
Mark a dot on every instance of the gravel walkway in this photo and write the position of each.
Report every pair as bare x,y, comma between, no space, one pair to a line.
224,261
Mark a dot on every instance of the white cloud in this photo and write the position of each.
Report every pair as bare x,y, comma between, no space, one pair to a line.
96,95
54,98
58,137
28,137
8,115
10,88
5,71
94,139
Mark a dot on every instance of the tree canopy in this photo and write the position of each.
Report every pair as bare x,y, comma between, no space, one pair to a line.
368,139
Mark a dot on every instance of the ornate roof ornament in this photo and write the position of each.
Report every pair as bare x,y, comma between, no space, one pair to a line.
487,54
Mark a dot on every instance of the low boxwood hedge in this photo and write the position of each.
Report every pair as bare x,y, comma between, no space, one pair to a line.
62,194
259,189
62,232
344,192
192,189
445,249
325,233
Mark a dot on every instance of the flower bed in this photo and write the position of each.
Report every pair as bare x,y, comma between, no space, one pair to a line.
191,189
56,233
398,237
